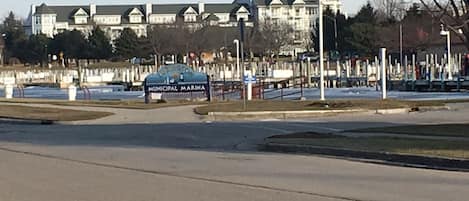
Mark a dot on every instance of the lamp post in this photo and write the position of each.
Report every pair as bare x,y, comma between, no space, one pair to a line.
321,52
236,41
46,57
446,33
4,52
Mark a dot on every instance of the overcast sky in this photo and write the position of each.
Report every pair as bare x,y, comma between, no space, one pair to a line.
22,7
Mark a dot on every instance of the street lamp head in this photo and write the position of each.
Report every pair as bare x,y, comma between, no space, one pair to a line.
443,32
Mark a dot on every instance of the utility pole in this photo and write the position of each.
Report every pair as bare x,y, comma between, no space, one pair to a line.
321,52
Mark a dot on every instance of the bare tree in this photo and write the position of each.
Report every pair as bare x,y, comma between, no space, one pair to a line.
390,10
453,14
276,37
168,39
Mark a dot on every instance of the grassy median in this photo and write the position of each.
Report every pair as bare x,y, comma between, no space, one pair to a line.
237,106
50,114
426,147
451,130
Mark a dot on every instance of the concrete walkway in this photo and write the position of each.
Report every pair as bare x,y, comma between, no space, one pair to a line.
178,114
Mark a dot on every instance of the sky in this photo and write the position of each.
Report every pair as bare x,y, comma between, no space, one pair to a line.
22,7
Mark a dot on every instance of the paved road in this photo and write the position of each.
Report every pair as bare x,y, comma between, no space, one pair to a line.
198,160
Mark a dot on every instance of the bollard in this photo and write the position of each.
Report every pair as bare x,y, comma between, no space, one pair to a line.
383,73
72,93
9,91
249,86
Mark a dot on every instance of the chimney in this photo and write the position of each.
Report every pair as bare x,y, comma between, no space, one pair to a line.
201,7
92,10
33,9
148,11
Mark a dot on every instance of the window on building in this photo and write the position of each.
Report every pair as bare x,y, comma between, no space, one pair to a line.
312,11
38,19
297,11
276,11
135,19
297,36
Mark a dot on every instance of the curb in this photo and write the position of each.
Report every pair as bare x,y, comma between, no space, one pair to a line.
384,158
295,114
313,113
283,112
393,111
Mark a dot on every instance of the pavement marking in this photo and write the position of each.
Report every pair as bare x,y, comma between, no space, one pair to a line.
169,174
270,120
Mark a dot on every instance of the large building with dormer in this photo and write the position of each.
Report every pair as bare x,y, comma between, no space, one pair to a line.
300,14
112,19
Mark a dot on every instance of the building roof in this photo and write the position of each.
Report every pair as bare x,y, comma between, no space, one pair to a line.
65,13
44,9
219,8
284,2
172,8
118,9
212,17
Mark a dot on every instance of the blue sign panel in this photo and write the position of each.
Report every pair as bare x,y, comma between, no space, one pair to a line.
249,79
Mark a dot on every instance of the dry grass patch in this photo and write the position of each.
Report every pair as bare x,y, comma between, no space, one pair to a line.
453,130
124,104
52,114
425,147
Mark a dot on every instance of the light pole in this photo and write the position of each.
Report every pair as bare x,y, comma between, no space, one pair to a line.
321,52
446,33
4,52
236,41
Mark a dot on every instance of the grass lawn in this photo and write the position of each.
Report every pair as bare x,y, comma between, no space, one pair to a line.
38,113
453,130
258,105
125,104
441,148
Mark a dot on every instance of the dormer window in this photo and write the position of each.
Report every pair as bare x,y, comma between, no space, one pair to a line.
242,13
135,16
190,15
190,18
276,2
81,16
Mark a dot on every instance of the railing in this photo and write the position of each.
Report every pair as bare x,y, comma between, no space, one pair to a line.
224,90
284,84
20,90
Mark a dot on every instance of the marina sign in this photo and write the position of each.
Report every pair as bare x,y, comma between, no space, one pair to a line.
177,88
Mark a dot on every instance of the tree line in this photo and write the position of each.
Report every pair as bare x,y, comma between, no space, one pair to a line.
160,40
383,23
375,25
